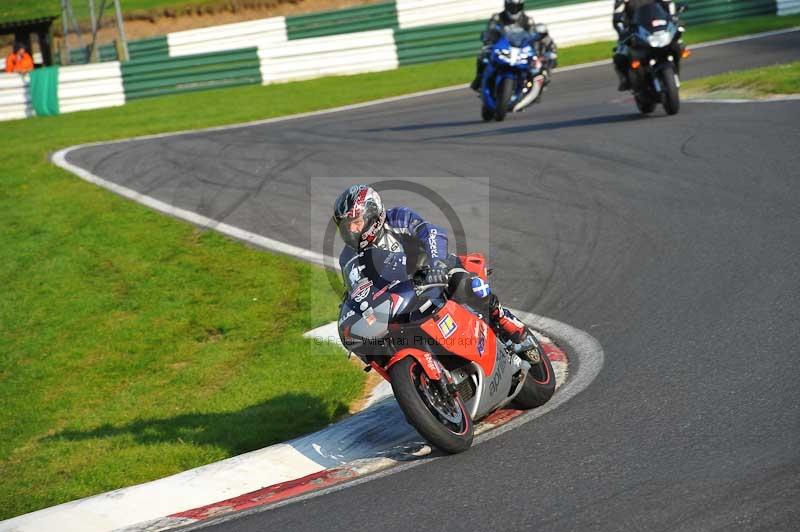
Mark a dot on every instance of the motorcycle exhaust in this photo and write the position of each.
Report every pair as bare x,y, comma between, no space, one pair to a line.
538,82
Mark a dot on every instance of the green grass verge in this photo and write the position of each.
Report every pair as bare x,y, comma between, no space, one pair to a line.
134,345
755,83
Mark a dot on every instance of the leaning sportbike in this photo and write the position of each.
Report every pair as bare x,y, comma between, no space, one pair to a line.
514,76
654,59
446,366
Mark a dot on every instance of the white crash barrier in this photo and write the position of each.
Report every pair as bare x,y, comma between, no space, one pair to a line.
578,23
415,13
353,53
788,7
571,24
14,98
93,86
262,33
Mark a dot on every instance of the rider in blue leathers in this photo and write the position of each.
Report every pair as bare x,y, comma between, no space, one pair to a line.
364,222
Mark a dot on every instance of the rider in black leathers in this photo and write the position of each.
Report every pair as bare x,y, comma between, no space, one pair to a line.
512,15
623,12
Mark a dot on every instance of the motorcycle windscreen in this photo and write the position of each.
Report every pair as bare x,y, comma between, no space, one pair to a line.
651,17
518,37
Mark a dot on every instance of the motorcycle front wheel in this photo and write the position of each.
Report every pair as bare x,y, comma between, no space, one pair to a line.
441,418
486,113
503,97
671,99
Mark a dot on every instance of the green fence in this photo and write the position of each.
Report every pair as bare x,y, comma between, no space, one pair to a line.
432,43
155,47
143,78
106,52
703,11
350,20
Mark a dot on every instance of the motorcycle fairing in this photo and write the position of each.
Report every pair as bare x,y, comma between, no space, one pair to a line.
471,338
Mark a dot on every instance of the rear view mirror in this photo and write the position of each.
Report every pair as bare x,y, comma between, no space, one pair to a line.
541,29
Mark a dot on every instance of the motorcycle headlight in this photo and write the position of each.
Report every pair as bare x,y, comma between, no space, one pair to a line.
660,39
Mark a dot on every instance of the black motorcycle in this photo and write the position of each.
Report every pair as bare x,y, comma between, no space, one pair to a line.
654,54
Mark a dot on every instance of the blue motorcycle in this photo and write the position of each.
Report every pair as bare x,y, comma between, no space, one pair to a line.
513,78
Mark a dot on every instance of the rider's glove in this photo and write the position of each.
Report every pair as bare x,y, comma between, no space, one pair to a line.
436,273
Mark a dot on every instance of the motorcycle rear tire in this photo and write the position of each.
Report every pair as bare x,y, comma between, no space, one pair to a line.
645,106
670,97
404,376
539,385
503,97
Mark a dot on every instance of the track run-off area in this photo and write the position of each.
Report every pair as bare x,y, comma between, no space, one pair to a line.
674,241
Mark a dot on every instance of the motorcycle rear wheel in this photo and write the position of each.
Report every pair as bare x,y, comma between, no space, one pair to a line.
644,105
443,421
539,385
503,97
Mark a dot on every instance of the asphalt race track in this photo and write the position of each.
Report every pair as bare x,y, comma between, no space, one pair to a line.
675,241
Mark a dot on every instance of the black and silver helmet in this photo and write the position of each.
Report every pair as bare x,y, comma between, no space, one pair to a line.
514,8
359,201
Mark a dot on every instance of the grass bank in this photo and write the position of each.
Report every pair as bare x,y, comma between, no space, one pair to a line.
134,345
755,83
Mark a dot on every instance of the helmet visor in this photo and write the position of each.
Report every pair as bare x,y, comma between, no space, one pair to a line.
351,229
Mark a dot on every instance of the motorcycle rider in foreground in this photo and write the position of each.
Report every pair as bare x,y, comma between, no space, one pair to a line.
512,15
364,222
623,12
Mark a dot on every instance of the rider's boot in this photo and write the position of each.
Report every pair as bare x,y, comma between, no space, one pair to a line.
624,82
507,325
510,328
479,68
621,68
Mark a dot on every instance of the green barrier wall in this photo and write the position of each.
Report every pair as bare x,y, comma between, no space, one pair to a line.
155,47
143,78
703,11
106,52
434,43
365,18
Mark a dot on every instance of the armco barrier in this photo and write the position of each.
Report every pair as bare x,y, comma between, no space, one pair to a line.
788,7
570,24
15,101
350,20
106,52
368,51
415,13
703,11
92,86
155,47
155,77
434,43
262,32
